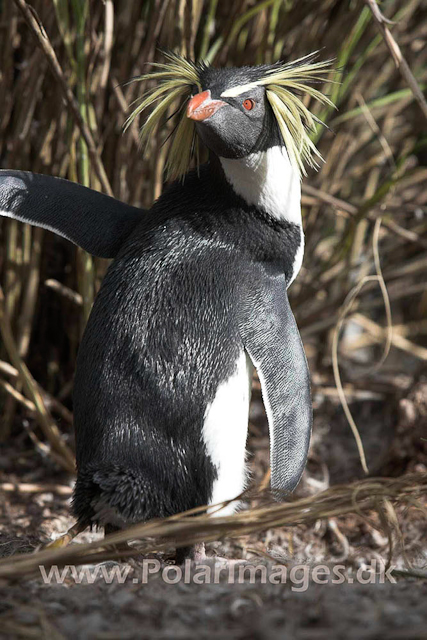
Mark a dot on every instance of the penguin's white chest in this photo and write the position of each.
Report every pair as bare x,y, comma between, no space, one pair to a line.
267,180
225,431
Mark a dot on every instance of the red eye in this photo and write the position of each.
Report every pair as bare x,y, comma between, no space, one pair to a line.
248,104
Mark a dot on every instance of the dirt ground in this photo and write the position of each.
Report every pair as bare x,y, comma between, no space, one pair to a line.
258,611
138,606
34,508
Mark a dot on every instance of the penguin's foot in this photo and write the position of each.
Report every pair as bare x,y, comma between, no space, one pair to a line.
196,553
65,539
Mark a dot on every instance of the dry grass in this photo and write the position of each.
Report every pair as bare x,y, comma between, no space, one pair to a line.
361,499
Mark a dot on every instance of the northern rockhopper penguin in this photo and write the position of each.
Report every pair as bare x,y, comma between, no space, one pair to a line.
195,298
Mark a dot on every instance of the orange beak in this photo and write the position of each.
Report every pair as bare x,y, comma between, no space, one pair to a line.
202,107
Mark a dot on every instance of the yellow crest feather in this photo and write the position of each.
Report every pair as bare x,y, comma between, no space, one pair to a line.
176,79
294,119
284,84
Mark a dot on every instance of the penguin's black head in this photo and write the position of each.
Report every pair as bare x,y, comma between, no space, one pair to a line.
233,111
232,114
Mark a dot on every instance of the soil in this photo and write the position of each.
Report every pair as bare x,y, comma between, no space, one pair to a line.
252,607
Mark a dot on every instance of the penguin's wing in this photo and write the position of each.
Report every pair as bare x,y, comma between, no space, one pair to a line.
97,223
271,338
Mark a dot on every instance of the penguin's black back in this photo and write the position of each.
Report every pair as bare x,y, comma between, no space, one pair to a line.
162,336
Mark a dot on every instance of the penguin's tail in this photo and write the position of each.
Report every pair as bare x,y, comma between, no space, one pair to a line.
112,495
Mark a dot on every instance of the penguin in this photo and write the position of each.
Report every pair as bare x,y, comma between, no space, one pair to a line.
195,299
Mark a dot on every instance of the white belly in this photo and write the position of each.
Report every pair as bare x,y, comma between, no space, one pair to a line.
298,259
225,431
267,180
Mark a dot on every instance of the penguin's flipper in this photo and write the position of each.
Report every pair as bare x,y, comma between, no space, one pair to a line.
97,223
271,338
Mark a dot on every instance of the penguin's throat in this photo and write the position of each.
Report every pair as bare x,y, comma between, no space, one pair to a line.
267,180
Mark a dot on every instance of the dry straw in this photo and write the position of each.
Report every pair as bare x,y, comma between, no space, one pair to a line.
360,498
